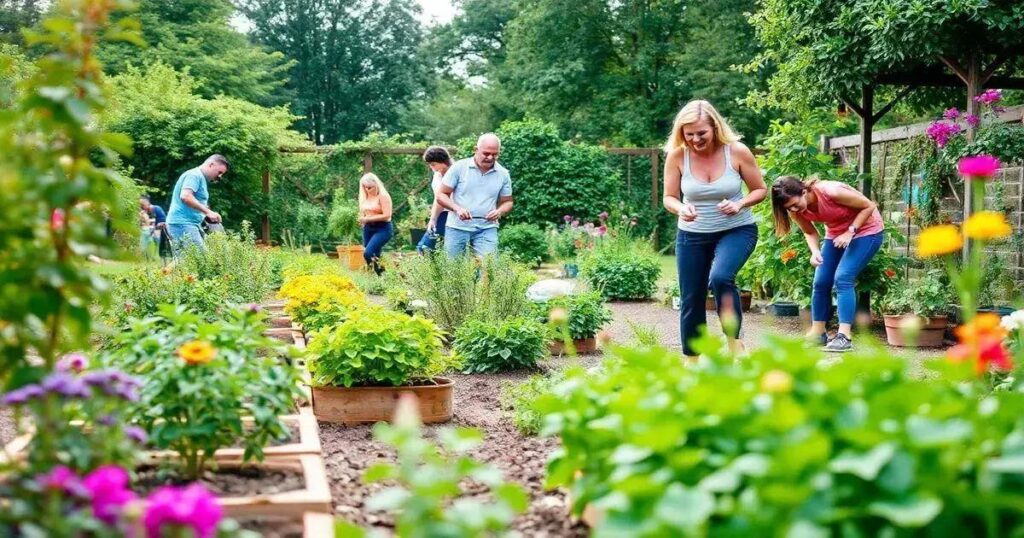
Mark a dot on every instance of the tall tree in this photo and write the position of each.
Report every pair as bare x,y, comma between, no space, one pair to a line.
196,36
357,62
15,15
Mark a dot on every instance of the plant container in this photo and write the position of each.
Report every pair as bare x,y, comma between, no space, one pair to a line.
360,405
571,270
785,309
932,332
676,303
352,255
584,346
415,235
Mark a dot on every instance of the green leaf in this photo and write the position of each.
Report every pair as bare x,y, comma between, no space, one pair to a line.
926,432
916,511
626,454
865,465
388,499
684,508
378,472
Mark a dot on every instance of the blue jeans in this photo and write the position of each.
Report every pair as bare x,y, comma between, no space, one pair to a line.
375,236
429,240
183,235
839,269
483,242
711,258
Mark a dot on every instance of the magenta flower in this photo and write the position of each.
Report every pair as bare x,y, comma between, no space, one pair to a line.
60,478
108,488
972,120
941,132
192,506
57,220
951,114
988,97
603,216
567,218
602,229
73,362
980,166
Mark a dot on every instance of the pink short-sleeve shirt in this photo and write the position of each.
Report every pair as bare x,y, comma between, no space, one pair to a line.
836,217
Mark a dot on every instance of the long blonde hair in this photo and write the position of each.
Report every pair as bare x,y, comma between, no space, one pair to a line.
693,112
370,177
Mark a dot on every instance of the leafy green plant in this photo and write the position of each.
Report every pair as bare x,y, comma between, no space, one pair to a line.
235,258
859,446
586,313
500,346
519,398
375,347
199,379
628,274
140,292
928,295
525,243
343,224
429,499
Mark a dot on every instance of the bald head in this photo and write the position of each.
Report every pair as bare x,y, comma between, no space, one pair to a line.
488,147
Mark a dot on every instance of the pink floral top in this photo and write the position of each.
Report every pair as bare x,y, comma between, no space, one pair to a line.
836,217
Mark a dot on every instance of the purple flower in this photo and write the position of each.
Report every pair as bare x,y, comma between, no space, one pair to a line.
603,216
22,395
972,120
108,487
567,218
74,362
951,113
136,434
192,506
60,478
254,308
107,420
941,132
66,385
988,97
128,393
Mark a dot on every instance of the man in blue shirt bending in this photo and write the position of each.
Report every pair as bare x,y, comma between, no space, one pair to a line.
154,230
478,191
190,203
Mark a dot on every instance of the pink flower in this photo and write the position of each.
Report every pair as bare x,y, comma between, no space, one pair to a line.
575,224
981,166
108,487
192,506
73,362
254,308
567,218
602,229
60,478
57,220
603,216
951,114
972,120
941,132
989,96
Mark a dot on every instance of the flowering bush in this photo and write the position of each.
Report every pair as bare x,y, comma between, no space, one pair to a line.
374,347
305,292
571,238
199,380
139,293
930,295
859,446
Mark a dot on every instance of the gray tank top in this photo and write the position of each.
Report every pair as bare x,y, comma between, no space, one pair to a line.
706,196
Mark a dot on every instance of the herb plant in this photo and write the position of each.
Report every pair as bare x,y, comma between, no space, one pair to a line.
525,243
586,313
500,346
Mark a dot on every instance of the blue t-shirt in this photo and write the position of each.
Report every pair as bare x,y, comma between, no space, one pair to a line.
158,213
181,213
477,192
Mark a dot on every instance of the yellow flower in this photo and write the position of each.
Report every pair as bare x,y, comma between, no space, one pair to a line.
197,352
987,225
939,240
774,381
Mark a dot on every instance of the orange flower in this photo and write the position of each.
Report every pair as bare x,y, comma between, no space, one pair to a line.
986,325
190,278
985,353
788,255
197,352
890,273
166,270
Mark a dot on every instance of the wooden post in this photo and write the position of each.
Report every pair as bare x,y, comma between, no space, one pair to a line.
655,175
867,125
266,217
367,162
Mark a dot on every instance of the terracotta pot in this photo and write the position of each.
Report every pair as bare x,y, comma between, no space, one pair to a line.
932,331
584,346
358,405
352,255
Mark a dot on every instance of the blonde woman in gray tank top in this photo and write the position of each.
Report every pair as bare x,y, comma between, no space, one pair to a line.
706,168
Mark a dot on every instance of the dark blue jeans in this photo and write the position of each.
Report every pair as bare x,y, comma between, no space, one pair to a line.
711,258
839,269
429,240
375,236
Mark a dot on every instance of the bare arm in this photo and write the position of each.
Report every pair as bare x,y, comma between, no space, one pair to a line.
751,174
856,200
812,238
444,197
672,198
504,208
189,198
385,211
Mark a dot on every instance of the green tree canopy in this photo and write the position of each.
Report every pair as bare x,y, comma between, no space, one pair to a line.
356,62
195,36
822,49
16,15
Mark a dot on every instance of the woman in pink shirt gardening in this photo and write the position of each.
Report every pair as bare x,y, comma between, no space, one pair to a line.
853,234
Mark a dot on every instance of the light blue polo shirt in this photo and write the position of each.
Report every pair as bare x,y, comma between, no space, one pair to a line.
180,213
479,193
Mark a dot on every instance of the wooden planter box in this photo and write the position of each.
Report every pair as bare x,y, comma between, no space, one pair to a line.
316,525
359,405
352,256
584,346
933,331
746,300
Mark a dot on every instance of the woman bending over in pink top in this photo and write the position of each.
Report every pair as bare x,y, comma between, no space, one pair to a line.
853,234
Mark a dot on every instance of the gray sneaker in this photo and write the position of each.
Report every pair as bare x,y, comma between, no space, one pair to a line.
839,343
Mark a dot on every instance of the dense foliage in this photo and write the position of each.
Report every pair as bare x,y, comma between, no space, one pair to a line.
490,347
929,295
621,267
586,313
524,243
234,258
519,399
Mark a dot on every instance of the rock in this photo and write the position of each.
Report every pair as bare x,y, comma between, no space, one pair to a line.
544,290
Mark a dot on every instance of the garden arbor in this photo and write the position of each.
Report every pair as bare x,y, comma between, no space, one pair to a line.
859,50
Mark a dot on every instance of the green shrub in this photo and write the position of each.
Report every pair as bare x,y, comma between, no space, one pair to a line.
304,264
587,313
519,399
500,346
929,295
199,379
525,243
862,445
343,223
139,293
622,274
235,258
375,347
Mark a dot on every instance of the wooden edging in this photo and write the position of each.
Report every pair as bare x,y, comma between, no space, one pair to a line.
316,525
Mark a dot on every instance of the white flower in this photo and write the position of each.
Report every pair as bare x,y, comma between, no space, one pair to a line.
418,304
1013,322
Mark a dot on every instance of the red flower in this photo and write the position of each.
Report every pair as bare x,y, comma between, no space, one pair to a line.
890,273
57,220
985,353
788,255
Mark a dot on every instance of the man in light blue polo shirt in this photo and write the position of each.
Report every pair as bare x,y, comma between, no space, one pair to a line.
478,192
189,203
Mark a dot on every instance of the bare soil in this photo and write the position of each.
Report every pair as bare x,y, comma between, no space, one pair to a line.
229,482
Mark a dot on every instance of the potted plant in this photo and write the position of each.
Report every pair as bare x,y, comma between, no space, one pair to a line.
343,225
586,314
358,368
918,307
415,219
784,308
489,347
996,287
672,294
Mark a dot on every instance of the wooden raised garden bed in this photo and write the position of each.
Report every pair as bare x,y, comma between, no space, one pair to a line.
318,525
359,405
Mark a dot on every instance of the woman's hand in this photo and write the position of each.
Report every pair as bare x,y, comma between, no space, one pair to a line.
362,220
843,241
687,212
729,207
816,259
